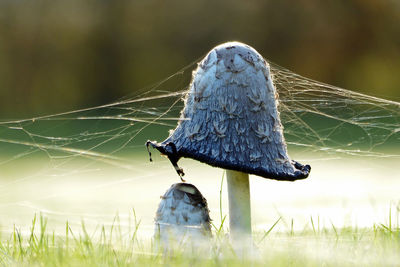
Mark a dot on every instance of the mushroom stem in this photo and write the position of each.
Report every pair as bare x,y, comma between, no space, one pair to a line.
239,205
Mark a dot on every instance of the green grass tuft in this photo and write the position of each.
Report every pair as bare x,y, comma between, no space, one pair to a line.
350,246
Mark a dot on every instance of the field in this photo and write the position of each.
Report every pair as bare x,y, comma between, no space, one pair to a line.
375,246
103,216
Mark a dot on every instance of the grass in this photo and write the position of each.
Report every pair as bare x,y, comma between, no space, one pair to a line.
314,246
115,245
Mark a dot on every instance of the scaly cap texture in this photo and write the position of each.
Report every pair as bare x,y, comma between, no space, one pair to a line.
230,119
182,214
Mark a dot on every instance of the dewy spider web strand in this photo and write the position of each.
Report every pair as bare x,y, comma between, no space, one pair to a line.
316,116
350,122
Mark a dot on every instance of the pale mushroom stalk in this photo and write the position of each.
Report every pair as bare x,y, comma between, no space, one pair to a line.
239,205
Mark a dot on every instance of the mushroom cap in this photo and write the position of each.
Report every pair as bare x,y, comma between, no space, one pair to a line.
182,213
230,119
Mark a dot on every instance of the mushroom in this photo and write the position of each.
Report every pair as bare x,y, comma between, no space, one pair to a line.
182,215
230,120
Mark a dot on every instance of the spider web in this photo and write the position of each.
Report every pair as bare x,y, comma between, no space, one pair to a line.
323,117
318,119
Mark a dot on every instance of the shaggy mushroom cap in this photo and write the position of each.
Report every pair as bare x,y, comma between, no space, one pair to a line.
230,119
183,211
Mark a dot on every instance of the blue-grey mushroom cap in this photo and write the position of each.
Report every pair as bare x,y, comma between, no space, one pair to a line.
182,214
230,119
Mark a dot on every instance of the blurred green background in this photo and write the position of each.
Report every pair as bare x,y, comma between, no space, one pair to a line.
63,55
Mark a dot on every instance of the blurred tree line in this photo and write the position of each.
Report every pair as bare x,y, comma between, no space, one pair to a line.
62,55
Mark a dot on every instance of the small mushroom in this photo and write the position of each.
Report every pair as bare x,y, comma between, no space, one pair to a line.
182,215
230,120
